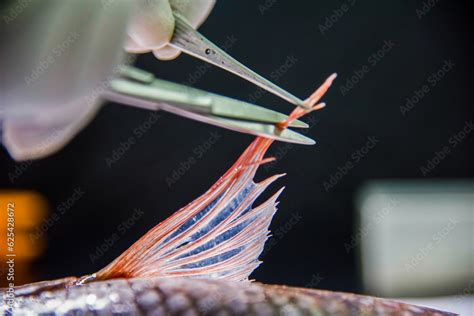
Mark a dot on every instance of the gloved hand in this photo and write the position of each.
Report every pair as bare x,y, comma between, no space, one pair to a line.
152,24
56,60
55,67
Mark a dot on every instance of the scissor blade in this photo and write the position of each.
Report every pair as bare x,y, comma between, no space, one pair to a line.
235,109
258,129
190,41
219,105
253,128
136,74
196,100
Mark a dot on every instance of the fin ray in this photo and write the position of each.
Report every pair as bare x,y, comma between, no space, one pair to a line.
221,233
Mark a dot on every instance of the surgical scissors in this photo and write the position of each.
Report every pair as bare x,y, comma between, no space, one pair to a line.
140,88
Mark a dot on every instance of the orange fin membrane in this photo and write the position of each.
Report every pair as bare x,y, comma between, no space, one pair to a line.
220,234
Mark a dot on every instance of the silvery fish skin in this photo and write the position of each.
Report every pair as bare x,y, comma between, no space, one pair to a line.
185,296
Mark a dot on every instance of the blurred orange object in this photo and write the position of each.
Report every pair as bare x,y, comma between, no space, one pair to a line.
30,208
20,213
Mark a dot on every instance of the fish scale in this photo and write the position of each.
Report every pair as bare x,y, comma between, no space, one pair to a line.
186,296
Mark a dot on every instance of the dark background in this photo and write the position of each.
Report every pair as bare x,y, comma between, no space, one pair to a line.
267,33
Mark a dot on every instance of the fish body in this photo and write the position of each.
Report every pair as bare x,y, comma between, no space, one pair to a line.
186,296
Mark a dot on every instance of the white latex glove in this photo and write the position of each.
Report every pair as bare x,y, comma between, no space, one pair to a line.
152,24
56,59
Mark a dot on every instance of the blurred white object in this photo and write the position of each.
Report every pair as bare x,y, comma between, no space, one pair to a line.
461,304
416,237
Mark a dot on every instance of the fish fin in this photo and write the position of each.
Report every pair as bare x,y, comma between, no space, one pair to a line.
220,234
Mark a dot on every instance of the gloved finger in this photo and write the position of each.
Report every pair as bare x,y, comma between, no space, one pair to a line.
195,11
152,24
166,53
133,47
